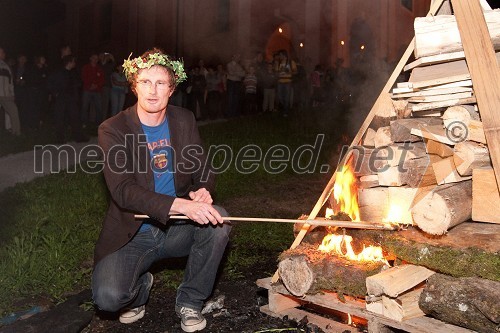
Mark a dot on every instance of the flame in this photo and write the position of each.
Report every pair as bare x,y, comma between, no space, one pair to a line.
395,214
341,245
345,193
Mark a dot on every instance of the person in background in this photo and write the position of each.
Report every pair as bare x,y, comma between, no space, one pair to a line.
141,180
250,84
21,91
235,74
198,85
93,81
7,100
119,89
38,102
64,85
269,86
315,79
107,62
213,93
285,69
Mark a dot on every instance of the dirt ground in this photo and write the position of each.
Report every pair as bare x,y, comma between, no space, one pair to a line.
242,298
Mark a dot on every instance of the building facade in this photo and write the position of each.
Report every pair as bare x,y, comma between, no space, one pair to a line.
313,31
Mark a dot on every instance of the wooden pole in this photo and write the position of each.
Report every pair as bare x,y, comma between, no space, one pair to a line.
382,100
322,222
484,71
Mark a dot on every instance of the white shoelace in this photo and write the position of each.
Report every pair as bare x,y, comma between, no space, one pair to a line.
189,312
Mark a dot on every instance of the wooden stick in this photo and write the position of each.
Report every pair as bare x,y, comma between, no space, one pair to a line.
484,71
382,100
322,222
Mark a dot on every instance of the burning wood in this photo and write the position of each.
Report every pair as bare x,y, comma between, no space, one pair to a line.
306,270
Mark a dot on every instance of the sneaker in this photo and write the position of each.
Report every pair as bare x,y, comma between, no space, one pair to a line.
191,320
129,316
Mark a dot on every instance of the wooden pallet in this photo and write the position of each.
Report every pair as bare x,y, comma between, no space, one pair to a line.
281,304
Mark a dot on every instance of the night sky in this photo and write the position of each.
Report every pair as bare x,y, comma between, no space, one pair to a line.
23,23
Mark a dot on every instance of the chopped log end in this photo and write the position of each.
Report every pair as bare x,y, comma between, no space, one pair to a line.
296,275
431,216
443,208
305,270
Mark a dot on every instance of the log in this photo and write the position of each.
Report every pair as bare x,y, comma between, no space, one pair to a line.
442,104
485,196
435,59
372,203
364,161
401,128
401,107
470,155
439,98
475,132
439,34
438,148
432,92
369,138
446,172
383,137
467,302
468,250
368,181
418,172
379,203
403,307
384,116
438,74
391,176
396,280
440,134
460,113
398,153
305,270
443,208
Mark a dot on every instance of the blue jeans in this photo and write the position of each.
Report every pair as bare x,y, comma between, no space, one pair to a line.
120,280
284,90
90,98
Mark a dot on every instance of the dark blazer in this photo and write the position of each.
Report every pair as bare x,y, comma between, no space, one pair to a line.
129,176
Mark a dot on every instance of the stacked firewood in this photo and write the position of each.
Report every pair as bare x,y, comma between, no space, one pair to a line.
427,153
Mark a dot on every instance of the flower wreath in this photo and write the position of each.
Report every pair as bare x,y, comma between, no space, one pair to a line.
131,66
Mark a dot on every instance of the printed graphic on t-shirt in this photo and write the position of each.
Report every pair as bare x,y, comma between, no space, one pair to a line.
160,151
160,161
161,157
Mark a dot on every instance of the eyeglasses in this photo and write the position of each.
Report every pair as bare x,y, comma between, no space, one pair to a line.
160,85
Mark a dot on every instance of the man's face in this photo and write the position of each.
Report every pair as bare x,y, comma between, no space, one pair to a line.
153,88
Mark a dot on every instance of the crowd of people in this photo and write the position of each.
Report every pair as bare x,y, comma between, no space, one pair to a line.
67,94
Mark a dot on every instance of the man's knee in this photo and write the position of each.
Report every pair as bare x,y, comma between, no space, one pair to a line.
109,298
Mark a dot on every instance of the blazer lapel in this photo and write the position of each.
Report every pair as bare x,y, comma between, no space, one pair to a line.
140,147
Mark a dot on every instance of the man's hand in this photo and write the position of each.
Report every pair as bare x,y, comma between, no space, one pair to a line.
202,195
200,212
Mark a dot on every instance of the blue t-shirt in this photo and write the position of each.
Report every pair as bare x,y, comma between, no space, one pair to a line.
161,159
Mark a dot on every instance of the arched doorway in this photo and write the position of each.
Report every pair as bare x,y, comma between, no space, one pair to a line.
280,39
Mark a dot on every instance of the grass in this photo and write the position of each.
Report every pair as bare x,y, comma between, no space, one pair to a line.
49,226
10,144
